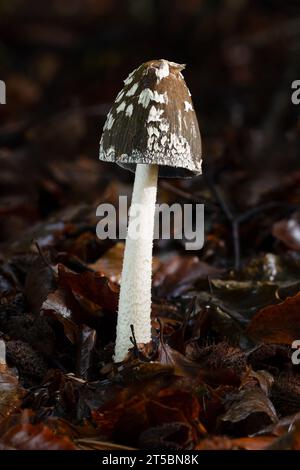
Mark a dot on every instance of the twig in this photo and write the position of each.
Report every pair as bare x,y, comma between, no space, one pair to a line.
187,196
221,200
236,220
265,207
236,243
232,219
134,342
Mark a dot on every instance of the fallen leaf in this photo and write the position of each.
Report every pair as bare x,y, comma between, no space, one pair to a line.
86,346
179,274
279,323
94,287
34,437
242,297
40,281
243,443
247,412
110,264
56,306
264,378
281,427
95,444
289,440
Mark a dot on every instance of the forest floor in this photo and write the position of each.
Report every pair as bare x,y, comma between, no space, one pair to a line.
222,372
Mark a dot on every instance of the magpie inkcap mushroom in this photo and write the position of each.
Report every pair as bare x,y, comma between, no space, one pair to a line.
152,130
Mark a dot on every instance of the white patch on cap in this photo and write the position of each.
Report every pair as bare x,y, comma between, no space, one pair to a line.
194,130
129,110
160,97
129,78
150,142
121,107
153,138
174,64
179,120
145,97
148,95
132,90
155,114
179,144
164,125
119,97
160,143
164,140
109,122
110,152
163,70
188,106
152,131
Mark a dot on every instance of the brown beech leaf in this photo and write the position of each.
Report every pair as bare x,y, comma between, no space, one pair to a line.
144,412
56,306
94,287
215,443
86,346
263,377
34,437
122,418
95,444
283,426
243,443
247,412
288,441
173,405
253,443
110,264
242,298
279,323
40,281
146,403
179,273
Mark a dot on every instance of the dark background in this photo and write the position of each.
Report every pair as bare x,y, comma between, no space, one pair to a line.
220,363
64,62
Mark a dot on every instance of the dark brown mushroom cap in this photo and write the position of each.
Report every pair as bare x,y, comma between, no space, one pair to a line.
153,121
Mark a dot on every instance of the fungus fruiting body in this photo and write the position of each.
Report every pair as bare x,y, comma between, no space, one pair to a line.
151,129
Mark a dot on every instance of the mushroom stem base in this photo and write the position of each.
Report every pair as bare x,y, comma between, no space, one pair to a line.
135,294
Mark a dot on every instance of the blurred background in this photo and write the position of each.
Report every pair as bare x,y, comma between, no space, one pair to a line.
64,61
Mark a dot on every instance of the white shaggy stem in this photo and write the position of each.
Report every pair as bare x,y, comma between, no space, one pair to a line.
135,295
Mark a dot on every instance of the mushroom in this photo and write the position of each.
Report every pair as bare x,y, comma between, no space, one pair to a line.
152,130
